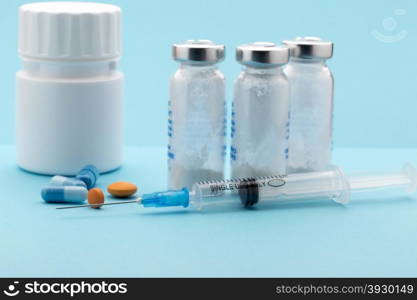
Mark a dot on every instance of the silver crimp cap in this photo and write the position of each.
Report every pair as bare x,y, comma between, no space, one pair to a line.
198,52
262,55
310,47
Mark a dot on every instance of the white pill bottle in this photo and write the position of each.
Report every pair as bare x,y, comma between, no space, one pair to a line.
260,112
311,112
196,124
69,109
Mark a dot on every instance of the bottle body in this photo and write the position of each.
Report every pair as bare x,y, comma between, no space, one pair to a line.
196,127
68,114
69,97
260,123
311,115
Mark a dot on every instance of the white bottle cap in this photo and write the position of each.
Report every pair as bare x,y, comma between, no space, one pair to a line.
70,31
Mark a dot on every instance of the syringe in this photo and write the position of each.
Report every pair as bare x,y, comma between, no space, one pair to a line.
330,184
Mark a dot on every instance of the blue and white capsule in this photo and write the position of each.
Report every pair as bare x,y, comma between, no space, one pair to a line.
65,181
89,175
64,194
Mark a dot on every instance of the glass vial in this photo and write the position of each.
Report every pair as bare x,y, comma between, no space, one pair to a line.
311,113
196,124
260,112
69,97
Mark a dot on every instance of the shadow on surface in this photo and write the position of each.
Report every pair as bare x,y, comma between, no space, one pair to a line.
233,209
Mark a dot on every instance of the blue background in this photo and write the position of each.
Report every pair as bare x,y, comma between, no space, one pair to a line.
375,124
376,82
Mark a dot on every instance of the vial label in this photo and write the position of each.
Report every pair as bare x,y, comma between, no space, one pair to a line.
233,150
171,154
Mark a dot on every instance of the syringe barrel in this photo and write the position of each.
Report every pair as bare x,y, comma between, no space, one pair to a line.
330,184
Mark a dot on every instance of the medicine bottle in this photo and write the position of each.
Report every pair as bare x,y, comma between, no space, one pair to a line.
260,112
311,114
196,124
69,91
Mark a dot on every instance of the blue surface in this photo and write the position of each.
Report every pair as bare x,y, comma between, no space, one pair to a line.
376,90
370,238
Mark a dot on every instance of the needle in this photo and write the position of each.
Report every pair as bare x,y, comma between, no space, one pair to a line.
137,200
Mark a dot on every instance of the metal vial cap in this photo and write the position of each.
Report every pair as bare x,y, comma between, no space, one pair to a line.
262,55
202,52
310,47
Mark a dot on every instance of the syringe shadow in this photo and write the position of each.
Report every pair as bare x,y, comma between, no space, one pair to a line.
105,212
316,204
383,201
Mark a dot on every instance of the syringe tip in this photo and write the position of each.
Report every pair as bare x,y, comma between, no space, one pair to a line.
166,199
